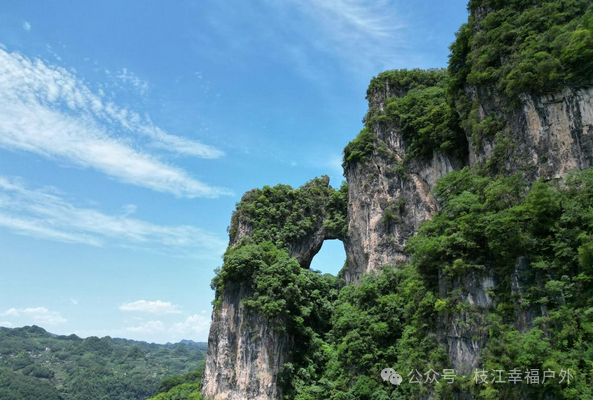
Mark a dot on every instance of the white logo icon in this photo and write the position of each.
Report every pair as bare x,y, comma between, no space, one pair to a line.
389,374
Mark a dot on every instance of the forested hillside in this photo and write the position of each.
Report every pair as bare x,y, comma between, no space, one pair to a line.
36,365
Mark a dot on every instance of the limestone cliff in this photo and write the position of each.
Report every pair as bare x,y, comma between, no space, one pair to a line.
389,192
549,135
412,137
245,352
385,208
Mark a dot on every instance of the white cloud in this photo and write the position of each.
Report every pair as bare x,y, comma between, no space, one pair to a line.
152,307
12,312
39,315
366,33
128,77
74,302
48,111
44,213
26,26
53,53
6,324
194,327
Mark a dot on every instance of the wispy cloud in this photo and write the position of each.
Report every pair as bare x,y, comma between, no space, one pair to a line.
44,213
47,110
26,26
365,33
39,315
361,35
152,307
130,209
373,20
128,77
147,328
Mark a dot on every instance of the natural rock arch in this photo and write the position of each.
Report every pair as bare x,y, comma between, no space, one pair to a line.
245,350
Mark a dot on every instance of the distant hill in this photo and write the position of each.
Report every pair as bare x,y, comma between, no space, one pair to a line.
38,365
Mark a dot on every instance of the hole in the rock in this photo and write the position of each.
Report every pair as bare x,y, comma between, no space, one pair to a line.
330,258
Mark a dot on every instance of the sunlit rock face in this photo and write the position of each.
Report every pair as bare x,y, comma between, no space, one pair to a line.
386,205
245,352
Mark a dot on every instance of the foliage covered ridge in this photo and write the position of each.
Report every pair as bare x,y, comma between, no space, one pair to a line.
267,224
524,46
283,215
412,104
508,48
505,264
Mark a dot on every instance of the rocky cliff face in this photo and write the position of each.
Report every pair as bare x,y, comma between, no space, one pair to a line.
550,135
544,136
389,196
245,351
387,204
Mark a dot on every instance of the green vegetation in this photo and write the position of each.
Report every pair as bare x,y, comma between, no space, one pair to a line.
525,46
401,81
16,386
530,47
517,47
282,215
37,365
427,122
383,322
360,147
485,225
418,107
184,387
297,299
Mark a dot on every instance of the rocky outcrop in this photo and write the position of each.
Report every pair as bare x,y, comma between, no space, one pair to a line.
544,136
245,351
390,194
549,135
388,202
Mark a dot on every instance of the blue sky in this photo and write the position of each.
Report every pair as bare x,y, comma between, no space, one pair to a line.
129,130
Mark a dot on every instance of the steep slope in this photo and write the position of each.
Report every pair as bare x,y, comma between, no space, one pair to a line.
392,166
